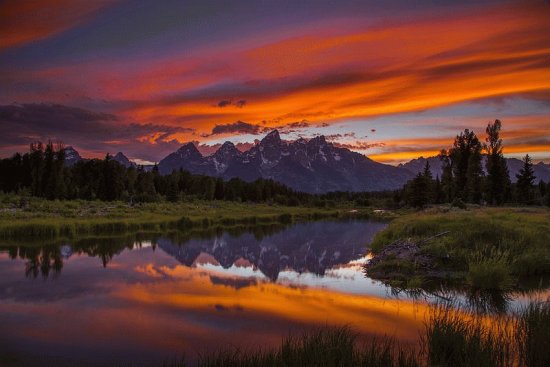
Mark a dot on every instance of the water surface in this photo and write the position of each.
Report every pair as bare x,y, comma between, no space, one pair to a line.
144,299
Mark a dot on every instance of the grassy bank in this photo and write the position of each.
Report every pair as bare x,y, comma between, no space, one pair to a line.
34,217
482,248
450,339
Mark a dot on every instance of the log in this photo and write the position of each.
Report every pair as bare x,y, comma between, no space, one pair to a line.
432,237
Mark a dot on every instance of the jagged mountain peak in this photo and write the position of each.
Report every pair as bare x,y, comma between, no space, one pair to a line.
227,147
227,151
71,156
318,140
122,159
189,150
314,165
272,137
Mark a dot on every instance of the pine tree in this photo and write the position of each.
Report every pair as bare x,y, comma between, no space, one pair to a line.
172,192
447,183
416,195
438,191
525,180
542,189
474,175
466,165
429,183
48,176
59,171
498,180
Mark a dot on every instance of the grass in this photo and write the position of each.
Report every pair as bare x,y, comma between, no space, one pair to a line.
336,346
450,338
485,249
38,218
533,335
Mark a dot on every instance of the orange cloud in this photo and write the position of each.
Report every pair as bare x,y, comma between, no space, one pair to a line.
348,70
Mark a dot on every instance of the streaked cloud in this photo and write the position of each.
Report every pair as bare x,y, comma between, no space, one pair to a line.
314,69
22,22
92,132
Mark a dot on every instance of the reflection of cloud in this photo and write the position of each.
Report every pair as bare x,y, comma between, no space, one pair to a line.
236,283
150,271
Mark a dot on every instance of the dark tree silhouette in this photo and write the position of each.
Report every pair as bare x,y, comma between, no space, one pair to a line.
498,180
525,181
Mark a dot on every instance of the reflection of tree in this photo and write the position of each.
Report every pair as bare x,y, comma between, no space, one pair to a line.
488,301
47,260
104,250
39,260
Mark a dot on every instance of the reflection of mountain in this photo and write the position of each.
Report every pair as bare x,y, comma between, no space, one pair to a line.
309,247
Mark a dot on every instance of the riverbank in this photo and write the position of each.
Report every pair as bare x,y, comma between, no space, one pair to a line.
478,248
38,218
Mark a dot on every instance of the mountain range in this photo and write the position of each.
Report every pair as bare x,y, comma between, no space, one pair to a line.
72,156
313,166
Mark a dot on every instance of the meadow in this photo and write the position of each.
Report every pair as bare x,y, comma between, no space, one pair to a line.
481,248
31,217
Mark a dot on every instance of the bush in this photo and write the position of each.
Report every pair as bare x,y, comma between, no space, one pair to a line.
458,203
489,274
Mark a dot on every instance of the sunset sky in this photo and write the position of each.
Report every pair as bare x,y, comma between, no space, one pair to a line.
390,79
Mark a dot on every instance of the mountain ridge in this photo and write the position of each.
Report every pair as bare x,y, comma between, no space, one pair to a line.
314,166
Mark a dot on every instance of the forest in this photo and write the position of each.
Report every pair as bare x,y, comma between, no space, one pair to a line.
463,179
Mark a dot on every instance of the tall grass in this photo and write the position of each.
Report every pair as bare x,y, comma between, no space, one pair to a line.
337,346
453,339
533,335
450,339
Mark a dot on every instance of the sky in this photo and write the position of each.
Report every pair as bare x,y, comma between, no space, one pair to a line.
394,79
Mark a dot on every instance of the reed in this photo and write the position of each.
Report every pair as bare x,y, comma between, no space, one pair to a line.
450,338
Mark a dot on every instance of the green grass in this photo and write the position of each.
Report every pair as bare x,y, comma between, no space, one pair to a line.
38,218
485,249
450,338
337,346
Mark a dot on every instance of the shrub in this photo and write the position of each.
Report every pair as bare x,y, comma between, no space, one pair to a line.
489,274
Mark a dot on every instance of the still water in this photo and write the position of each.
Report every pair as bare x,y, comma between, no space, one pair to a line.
140,300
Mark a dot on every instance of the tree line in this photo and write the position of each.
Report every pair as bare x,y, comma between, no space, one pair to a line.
42,172
463,179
